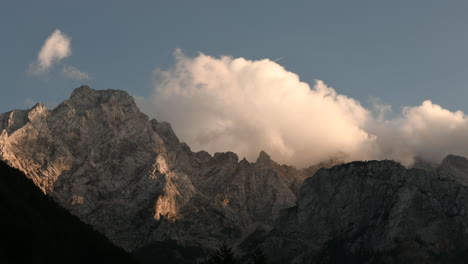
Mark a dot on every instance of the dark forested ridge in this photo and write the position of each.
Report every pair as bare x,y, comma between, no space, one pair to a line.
34,229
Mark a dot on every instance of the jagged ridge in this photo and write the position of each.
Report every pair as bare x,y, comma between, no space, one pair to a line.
374,212
98,156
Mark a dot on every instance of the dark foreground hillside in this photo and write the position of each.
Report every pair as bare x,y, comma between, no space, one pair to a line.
34,229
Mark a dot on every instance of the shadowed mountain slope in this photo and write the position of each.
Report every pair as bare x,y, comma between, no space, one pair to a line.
34,229
132,179
374,212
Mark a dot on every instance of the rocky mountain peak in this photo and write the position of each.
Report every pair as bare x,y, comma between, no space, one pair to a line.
455,168
11,121
86,98
38,111
39,107
131,178
454,160
263,158
229,156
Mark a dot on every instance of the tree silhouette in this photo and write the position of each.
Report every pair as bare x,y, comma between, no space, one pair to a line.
223,255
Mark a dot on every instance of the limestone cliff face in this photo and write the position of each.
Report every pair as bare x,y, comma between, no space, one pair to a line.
98,156
375,212
129,177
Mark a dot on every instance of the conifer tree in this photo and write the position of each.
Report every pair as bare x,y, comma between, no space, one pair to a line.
224,255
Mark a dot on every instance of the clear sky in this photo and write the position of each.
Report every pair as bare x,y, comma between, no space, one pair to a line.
402,52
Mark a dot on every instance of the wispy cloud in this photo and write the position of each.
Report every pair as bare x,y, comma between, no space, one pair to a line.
74,73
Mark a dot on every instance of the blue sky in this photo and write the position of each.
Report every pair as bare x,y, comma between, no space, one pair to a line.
402,52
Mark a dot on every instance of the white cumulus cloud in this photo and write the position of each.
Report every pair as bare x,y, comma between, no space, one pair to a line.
245,106
56,48
427,131
220,104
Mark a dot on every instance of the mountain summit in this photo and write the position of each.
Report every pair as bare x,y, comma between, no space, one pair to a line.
128,176
132,179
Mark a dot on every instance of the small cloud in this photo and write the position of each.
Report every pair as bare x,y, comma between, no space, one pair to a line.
56,48
74,73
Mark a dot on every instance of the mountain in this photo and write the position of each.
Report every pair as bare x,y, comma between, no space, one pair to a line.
34,229
132,179
374,212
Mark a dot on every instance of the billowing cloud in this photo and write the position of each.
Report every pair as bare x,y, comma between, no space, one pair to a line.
56,47
247,106
222,104
427,131
74,73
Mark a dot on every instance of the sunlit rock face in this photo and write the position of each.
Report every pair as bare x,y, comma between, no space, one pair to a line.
374,212
130,177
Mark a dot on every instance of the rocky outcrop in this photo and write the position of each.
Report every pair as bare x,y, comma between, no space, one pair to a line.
374,212
129,177
455,168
